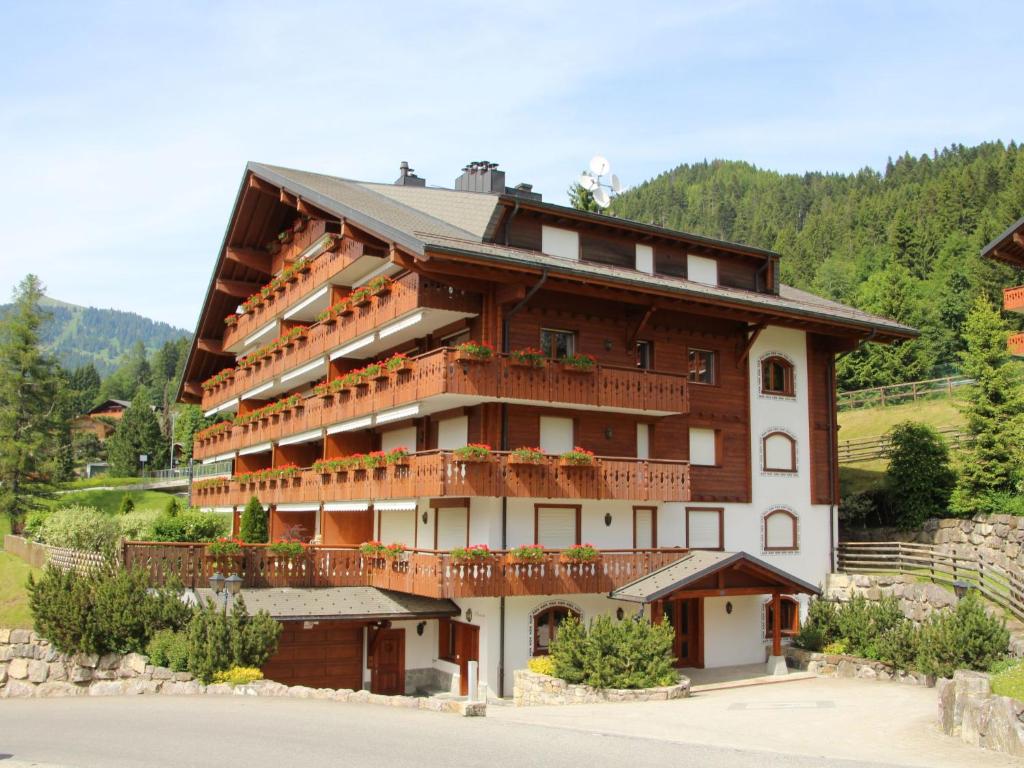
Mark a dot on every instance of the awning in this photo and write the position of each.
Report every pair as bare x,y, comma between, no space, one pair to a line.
713,574
351,603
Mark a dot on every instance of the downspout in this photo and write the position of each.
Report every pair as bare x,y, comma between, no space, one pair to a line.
505,327
508,221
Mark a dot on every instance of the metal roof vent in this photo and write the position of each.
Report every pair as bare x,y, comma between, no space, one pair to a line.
481,176
407,178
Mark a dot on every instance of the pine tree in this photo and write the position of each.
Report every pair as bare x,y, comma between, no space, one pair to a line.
188,420
137,433
32,426
582,199
992,467
252,528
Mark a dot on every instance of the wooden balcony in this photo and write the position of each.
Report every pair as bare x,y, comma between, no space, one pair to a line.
408,293
437,473
439,380
1016,345
1013,299
420,572
324,268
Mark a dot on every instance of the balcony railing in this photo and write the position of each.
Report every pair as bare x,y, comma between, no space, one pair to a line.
438,473
1016,345
440,373
406,294
323,267
1013,299
419,572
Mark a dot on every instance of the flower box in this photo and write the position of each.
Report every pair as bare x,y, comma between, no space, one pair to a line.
570,463
469,357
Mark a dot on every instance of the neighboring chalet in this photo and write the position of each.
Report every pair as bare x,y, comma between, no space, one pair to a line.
102,420
704,388
1009,249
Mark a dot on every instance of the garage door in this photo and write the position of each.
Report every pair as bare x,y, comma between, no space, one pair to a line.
327,655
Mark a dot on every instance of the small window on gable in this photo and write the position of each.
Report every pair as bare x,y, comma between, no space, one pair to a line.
702,366
644,355
778,453
545,626
780,532
790,610
777,376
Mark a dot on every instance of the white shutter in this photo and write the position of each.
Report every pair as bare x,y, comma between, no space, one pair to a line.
702,446
399,438
778,453
451,528
452,433
645,258
565,243
555,434
701,269
556,527
704,528
398,526
644,522
643,441
778,531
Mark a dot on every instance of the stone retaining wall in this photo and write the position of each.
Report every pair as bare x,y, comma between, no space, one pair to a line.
534,690
968,709
842,665
31,667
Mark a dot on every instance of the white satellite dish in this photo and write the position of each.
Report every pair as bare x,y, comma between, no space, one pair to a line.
601,197
616,184
599,165
588,182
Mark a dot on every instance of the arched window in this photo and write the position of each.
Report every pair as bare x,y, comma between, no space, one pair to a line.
776,376
780,531
778,452
545,625
790,610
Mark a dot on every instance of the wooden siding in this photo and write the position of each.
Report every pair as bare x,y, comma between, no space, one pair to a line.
820,363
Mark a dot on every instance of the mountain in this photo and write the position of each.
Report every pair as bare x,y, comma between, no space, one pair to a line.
903,241
78,335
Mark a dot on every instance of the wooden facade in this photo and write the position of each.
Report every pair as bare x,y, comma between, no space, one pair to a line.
1008,248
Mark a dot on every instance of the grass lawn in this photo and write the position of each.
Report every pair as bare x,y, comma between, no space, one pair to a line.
859,477
110,501
101,481
13,597
869,422
1009,681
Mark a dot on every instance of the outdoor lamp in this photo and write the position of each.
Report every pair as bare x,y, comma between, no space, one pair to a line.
233,584
217,582
960,587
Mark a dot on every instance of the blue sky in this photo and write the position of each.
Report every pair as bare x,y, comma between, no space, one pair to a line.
125,127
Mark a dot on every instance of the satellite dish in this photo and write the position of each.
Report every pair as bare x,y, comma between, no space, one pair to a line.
602,198
616,184
599,165
588,182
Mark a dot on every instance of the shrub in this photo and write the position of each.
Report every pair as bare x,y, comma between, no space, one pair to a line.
80,527
542,665
899,646
287,549
253,525
219,640
820,628
919,477
127,505
33,522
965,638
137,526
238,676
614,654
189,526
167,648
837,648
172,508
867,509
110,610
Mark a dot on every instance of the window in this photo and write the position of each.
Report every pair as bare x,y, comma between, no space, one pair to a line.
643,441
645,258
777,376
556,434
454,339
701,269
645,527
778,452
557,344
704,447
702,366
451,528
397,525
545,626
556,527
564,243
704,528
398,438
644,355
780,533
452,433
790,610
447,640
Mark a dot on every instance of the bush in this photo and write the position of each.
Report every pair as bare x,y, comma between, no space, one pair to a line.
110,610
189,526
867,509
542,665
614,654
137,526
238,676
252,528
837,648
820,628
168,648
33,522
919,477
219,640
126,506
80,527
899,646
965,638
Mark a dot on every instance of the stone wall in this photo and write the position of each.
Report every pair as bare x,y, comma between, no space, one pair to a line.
842,665
533,690
968,709
31,667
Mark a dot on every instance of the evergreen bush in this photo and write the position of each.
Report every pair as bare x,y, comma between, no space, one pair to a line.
126,506
820,628
189,526
167,648
614,654
919,478
965,638
219,640
79,527
252,528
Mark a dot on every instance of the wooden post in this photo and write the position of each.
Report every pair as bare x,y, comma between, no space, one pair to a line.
776,624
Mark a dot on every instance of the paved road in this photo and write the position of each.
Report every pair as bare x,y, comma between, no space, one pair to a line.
186,731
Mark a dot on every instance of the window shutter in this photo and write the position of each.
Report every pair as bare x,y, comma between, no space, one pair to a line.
399,438
778,531
778,453
643,441
644,529
702,447
452,433
556,527
704,528
398,525
451,528
555,434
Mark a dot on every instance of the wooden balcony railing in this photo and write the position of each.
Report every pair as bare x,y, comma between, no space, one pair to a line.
323,267
439,372
1016,345
438,473
420,572
1013,299
407,293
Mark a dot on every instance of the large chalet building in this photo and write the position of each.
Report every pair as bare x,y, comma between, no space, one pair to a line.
347,334
1008,248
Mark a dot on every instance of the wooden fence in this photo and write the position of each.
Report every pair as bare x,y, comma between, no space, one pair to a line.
879,446
1003,585
893,394
39,555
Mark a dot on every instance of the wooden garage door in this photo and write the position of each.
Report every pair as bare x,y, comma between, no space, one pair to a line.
327,655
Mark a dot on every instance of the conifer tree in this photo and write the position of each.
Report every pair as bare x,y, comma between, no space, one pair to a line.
252,528
137,433
582,199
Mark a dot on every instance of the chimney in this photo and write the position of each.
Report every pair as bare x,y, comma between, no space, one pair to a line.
481,176
407,178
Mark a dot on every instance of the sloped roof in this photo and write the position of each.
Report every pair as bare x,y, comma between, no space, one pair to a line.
1008,247
312,603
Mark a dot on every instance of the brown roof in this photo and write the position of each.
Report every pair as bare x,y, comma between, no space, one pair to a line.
1009,246
355,603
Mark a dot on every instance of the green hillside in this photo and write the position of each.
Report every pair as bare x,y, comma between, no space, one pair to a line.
903,242
79,335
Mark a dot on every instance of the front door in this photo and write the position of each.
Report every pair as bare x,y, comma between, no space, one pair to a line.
467,638
685,617
387,665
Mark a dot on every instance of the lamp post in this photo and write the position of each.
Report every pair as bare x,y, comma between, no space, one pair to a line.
228,587
961,587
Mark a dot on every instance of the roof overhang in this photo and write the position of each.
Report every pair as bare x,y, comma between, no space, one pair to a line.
1009,246
713,574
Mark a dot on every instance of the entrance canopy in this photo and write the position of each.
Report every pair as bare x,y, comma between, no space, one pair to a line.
713,574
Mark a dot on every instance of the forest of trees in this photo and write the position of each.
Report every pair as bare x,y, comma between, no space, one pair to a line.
903,242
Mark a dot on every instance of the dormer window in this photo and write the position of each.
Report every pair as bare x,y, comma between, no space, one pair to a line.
777,376
701,269
564,243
